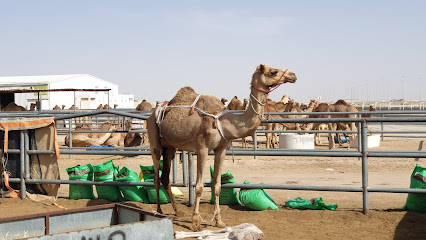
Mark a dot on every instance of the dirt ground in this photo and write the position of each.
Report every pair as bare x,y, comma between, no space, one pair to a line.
385,220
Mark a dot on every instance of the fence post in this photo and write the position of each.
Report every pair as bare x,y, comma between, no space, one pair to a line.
191,179
174,169
184,168
364,152
23,163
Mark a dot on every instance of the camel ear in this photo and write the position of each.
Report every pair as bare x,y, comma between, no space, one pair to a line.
261,68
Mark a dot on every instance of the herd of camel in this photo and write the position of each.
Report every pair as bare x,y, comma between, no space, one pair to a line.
284,105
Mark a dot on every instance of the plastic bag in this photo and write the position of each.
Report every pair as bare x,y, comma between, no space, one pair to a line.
314,203
81,173
416,201
256,199
105,172
131,193
227,196
147,173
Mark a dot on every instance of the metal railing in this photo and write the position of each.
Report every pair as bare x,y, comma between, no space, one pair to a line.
188,161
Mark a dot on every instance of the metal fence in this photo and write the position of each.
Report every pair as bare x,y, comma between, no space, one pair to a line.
382,117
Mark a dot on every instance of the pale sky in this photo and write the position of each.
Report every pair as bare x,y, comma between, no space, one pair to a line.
338,49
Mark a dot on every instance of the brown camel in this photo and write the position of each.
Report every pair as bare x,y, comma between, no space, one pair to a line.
245,103
144,106
107,107
115,106
13,107
100,106
56,107
96,139
292,107
191,129
235,104
133,139
33,106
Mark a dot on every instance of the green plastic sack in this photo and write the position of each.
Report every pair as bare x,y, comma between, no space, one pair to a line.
81,173
131,193
148,172
227,196
106,172
416,201
256,199
148,176
314,203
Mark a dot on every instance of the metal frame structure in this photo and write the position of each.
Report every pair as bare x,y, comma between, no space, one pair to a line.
188,162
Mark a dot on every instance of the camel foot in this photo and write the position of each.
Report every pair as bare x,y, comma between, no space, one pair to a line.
196,225
220,224
180,214
159,210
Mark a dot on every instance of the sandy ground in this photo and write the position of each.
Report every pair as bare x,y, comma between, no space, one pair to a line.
385,220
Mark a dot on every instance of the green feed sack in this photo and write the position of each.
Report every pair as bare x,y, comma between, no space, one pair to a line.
256,199
131,193
415,201
81,173
315,204
227,196
148,172
152,194
105,172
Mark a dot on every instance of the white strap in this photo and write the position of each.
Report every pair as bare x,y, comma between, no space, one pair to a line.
159,114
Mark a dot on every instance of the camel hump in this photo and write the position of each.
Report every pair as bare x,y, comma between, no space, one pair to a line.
341,101
187,95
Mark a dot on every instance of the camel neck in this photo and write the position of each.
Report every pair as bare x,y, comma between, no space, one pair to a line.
245,124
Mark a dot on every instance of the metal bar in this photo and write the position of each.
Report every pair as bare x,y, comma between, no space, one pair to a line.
365,200
101,183
70,136
26,155
184,168
22,161
174,169
191,179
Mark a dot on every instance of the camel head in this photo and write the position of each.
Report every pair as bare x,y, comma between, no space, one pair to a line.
63,107
372,108
267,77
223,100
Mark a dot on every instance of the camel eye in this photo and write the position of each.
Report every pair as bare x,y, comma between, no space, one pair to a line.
274,73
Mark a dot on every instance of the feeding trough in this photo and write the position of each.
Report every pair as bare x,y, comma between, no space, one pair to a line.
372,141
297,141
109,221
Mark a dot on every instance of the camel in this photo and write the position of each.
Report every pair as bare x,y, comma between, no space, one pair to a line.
73,107
13,107
56,107
115,106
339,106
224,100
284,99
96,139
33,106
144,106
203,127
291,106
106,107
133,139
236,104
100,106
245,103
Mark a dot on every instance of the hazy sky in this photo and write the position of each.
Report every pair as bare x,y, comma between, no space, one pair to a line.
338,49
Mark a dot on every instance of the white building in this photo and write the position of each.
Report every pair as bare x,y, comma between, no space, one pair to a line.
83,100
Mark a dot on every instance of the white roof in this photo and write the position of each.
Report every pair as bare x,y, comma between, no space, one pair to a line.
15,81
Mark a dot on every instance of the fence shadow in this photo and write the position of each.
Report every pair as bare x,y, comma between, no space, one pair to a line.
411,226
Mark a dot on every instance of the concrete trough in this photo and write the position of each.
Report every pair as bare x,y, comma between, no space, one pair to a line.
109,221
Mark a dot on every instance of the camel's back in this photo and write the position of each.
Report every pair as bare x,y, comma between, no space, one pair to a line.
186,96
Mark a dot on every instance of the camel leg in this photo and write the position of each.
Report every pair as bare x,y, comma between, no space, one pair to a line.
331,144
156,156
201,162
268,135
244,142
168,155
275,136
156,152
219,155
